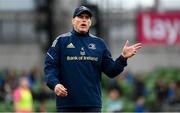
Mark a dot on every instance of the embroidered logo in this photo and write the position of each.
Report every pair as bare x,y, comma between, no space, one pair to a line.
70,45
92,46
82,52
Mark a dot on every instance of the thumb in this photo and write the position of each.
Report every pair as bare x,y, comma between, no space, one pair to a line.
127,43
63,87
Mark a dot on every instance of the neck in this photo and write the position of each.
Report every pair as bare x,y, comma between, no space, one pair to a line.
80,34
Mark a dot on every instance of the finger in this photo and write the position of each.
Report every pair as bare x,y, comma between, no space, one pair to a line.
61,90
58,93
138,47
134,52
137,44
63,87
127,43
61,93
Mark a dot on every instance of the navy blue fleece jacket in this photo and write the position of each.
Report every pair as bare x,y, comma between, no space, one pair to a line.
76,61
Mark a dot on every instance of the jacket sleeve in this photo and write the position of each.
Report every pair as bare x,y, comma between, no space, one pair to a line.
110,67
51,65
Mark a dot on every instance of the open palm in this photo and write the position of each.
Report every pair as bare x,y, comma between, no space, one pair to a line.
129,51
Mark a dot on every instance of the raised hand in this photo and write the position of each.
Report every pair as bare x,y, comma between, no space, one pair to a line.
129,51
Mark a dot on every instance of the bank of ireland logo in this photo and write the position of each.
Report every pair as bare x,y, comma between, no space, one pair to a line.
82,52
92,46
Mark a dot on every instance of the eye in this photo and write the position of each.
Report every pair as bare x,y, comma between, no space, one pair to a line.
80,16
87,17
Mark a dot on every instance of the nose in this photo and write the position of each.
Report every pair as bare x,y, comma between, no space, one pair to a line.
84,19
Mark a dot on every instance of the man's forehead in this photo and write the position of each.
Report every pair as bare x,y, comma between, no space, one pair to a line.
84,14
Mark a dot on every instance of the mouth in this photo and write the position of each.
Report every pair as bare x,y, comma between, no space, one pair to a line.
83,25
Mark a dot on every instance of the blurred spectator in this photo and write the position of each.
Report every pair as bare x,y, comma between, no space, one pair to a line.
161,90
171,90
114,102
10,84
1,86
129,77
139,87
33,77
139,104
174,101
42,96
22,97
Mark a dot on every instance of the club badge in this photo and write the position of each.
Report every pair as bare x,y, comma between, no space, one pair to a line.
92,46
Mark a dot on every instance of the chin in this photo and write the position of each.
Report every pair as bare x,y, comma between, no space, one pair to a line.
83,31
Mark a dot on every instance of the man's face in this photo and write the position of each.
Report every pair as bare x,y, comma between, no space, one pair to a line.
81,23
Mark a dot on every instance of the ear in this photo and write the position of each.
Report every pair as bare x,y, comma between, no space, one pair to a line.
73,21
90,22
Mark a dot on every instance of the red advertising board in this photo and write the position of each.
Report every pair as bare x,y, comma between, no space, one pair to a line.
158,28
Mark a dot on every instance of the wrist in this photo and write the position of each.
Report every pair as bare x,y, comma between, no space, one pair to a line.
122,54
121,60
55,86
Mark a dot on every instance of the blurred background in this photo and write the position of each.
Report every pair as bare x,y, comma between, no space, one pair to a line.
151,82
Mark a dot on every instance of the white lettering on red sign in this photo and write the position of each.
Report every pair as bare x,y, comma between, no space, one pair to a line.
159,28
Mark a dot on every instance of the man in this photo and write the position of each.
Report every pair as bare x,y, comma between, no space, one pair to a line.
74,63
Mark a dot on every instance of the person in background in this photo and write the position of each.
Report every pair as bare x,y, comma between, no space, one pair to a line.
42,97
140,104
22,97
114,102
161,91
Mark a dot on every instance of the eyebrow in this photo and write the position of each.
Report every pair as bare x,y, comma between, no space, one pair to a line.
84,14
